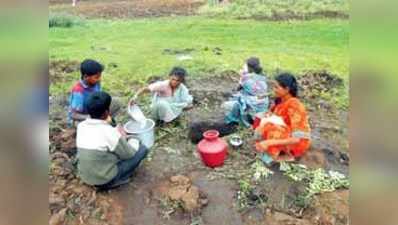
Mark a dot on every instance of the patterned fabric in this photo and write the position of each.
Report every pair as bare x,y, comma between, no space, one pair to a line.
78,97
254,84
167,106
250,100
295,116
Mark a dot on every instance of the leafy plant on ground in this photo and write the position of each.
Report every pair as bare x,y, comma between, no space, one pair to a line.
260,171
248,196
317,181
242,195
197,220
168,207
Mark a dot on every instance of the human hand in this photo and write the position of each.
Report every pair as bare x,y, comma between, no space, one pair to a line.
263,121
133,100
121,130
268,114
109,119
245,68
261,146
260,128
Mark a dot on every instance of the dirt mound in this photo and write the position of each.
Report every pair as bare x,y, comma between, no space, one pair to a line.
72,202
208,98
179,189
58,70
277,218
326,159
313,83
62,138
329,208
212,91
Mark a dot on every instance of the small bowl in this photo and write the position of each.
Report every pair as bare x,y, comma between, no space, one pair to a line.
236,141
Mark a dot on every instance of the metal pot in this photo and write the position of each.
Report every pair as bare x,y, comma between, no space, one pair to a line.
145,134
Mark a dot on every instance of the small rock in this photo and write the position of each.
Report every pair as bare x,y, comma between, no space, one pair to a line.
176,193
204,201
81,189
56,203
180,189
277,218
58,218
180,179
191,199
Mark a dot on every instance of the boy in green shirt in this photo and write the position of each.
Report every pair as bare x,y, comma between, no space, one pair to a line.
105,158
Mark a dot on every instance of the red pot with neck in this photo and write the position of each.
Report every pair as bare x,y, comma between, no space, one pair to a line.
212,149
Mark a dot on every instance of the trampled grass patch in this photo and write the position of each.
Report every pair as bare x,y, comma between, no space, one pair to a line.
133,50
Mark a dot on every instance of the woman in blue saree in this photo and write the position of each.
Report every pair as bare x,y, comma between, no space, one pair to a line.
252,97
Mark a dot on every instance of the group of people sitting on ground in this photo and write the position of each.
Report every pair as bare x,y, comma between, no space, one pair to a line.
107,160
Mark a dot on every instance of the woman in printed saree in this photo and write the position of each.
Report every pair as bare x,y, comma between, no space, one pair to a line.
170,97
286,130
252,96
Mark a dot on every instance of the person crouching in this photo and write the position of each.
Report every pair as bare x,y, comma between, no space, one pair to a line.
105,158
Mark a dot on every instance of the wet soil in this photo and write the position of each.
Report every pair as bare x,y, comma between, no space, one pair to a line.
174,154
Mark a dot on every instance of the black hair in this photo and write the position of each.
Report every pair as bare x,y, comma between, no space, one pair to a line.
179,72
90,67
253,64
287,80
98,103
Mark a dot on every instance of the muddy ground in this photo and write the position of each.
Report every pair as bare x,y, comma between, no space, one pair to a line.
127,8
159,8
271,201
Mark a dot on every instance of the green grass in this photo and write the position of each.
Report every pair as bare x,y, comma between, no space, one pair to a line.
136,46
276,9
63,20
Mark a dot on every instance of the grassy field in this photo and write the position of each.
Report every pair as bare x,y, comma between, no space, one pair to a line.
277,10
137,46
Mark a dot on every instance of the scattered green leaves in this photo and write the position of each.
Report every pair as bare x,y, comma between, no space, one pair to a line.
260,171
168,207
317,181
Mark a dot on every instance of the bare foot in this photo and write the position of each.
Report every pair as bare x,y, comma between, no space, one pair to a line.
285,158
